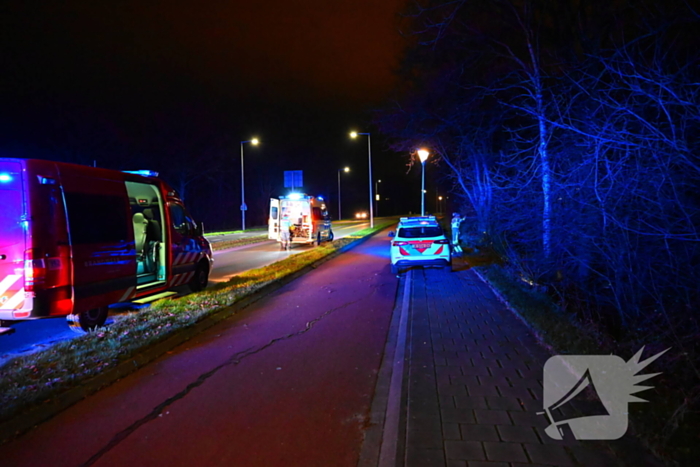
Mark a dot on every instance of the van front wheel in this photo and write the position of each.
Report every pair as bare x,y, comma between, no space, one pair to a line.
200,279
88,321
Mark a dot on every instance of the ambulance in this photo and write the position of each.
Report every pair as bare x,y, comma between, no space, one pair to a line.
76,239
307,216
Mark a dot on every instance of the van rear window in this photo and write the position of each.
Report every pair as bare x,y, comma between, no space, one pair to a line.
96,218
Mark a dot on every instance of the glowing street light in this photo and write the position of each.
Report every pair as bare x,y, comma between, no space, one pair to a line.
244,208
423,156
354,135
344,169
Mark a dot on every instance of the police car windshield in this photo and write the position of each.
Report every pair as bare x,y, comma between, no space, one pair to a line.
420,231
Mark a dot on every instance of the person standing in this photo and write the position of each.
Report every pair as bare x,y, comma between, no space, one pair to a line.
455,224
285,233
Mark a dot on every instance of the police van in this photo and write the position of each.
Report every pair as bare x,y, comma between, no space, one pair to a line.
306,215
76,239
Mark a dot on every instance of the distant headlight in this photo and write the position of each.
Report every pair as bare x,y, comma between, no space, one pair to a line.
361,215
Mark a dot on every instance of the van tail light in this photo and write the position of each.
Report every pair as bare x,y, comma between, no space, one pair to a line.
399,243
34,269
442,242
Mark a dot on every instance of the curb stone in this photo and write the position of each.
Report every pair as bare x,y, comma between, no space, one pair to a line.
25,421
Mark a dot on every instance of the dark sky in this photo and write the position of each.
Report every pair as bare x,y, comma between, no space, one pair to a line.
297,73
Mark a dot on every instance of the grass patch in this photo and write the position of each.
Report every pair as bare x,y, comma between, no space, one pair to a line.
28,381
226,244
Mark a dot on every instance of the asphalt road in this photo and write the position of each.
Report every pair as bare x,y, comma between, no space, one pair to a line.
288,381
36,335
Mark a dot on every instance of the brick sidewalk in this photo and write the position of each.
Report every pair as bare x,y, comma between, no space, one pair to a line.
475,382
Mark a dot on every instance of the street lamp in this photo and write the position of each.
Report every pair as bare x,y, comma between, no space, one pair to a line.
353,135
376,196
423,156
244,208
345,169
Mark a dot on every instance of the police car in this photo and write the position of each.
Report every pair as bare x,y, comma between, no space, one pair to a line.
419,241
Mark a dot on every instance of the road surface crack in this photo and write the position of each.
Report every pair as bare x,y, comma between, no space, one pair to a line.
235,359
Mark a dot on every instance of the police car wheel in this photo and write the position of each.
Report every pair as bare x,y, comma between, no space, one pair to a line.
394,269
200,279
88,321
330,235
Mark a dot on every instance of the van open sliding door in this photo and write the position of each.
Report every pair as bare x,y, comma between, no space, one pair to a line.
273,223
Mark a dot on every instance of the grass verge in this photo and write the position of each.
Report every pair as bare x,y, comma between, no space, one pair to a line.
226,244
661,426
36,386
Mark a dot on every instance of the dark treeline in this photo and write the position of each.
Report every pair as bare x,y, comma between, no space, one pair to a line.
570,132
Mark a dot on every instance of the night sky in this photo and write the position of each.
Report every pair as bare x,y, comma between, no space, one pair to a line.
127,82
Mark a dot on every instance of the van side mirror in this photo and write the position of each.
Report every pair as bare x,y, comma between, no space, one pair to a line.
199,229
392,234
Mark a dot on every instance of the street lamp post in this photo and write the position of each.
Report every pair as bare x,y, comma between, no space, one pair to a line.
345,169
354,134
423,156
244,208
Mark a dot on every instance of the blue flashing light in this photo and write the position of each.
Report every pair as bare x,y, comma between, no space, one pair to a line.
143,173
5,178
320,197
294,196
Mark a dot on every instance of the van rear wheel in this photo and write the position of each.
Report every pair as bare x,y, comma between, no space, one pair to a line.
200,279
88,321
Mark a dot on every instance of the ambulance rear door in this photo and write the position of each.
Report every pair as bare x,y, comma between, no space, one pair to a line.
273,223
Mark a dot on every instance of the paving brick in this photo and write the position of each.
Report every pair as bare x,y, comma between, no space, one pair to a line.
519,392
487,464
548,454
479,390
457,415
446,401
425,458
493,380
424,439
479,433
588,456
464,450
545,439
426,423
446,389
509,373
492,417
470,370
456,463
465,380
503,403
505,452
469,402
518,434
528,419
451,431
